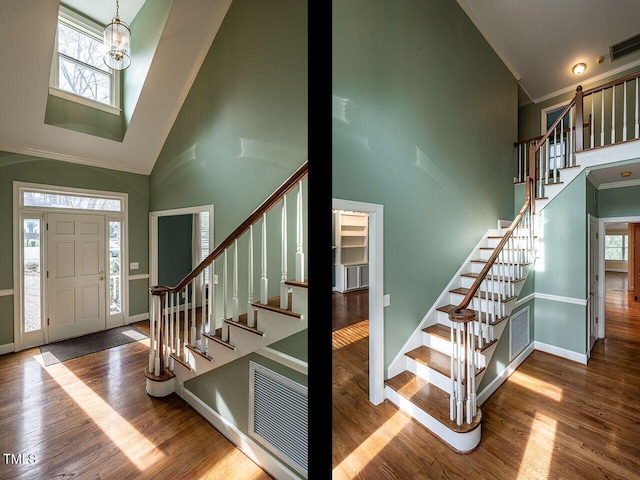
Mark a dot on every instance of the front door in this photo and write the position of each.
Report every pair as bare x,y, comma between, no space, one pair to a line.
75,275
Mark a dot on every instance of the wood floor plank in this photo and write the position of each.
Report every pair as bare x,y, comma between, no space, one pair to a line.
91,418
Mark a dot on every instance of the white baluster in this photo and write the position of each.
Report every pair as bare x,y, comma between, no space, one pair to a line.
546,166
152,322
172,323
459,383
165,329
234,296
178,340
185,339
613,115
452,396
562,146
624,112
212,299
251,319
566,157
264,285
204,345
225,328
194,313
555,153
299,250
591,124
284,294
602,119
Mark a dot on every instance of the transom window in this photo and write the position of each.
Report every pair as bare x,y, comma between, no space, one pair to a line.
78,72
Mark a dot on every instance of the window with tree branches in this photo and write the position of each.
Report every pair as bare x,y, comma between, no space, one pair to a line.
78,68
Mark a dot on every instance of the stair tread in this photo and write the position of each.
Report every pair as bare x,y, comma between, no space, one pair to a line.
273,304
217,337
295,283
483,316
483,295
479,260
491,277
242,323
438,361
444,332
431,399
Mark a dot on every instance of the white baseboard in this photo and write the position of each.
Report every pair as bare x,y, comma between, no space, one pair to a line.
8,348
137,318
246,444
506,373
561,352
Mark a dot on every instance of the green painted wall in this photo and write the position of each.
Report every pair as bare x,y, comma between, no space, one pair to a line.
24,168
174,248
424,120
243,128
619,202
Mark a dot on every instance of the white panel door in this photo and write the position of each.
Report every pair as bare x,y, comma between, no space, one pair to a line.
75,275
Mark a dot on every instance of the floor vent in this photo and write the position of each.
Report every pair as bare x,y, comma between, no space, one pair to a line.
625,47
278,416
519,329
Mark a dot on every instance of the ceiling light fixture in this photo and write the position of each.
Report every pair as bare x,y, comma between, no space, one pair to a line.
579,68
626,174
117,41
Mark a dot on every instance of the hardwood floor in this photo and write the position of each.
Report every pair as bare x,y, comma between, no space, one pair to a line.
553,418
90,418
622,312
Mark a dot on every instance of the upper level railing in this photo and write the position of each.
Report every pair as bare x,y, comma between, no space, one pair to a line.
612,117
175,310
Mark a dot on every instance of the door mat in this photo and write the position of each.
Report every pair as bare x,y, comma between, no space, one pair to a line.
77,347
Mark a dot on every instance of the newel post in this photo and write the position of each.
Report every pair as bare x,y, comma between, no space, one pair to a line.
463,366
160,292
579,120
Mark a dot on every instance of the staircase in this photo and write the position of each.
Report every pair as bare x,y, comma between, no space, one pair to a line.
421,381
201,324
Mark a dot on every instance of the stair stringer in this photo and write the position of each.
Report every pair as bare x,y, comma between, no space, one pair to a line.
398,364
459,438
277,326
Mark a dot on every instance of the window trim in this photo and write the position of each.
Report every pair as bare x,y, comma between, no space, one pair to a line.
92,29
624,248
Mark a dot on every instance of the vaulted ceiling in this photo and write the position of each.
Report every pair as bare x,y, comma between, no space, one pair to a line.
28,31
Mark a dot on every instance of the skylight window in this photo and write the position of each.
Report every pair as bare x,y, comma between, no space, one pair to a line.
78,72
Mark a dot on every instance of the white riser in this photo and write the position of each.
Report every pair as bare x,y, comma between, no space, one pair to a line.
299,302
492,285
437,343
510,270
430,375
513,257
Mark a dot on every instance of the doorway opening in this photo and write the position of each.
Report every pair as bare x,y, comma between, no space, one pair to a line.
619,264
354,275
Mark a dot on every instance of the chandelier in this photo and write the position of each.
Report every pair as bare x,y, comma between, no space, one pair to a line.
117,41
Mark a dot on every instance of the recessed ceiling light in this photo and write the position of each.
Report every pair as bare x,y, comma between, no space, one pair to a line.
579,68
626,174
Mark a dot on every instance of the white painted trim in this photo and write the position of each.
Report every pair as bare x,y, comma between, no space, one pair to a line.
621,184
141,276
523,300
561,352
618,270
245,443
284,359
137,318
6,293
8,348
558,298
376,292
504,375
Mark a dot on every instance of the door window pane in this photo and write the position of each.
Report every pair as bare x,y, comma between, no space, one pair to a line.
31,275
115,264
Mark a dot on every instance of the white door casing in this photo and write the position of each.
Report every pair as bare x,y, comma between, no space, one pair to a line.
593,283
75,283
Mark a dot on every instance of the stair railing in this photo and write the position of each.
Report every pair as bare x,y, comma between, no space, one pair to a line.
195,296
483,306
613,111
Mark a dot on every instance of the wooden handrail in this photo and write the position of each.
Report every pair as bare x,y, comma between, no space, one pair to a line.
494,256
288,185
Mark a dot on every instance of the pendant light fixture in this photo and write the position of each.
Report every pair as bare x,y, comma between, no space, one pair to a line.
117,41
